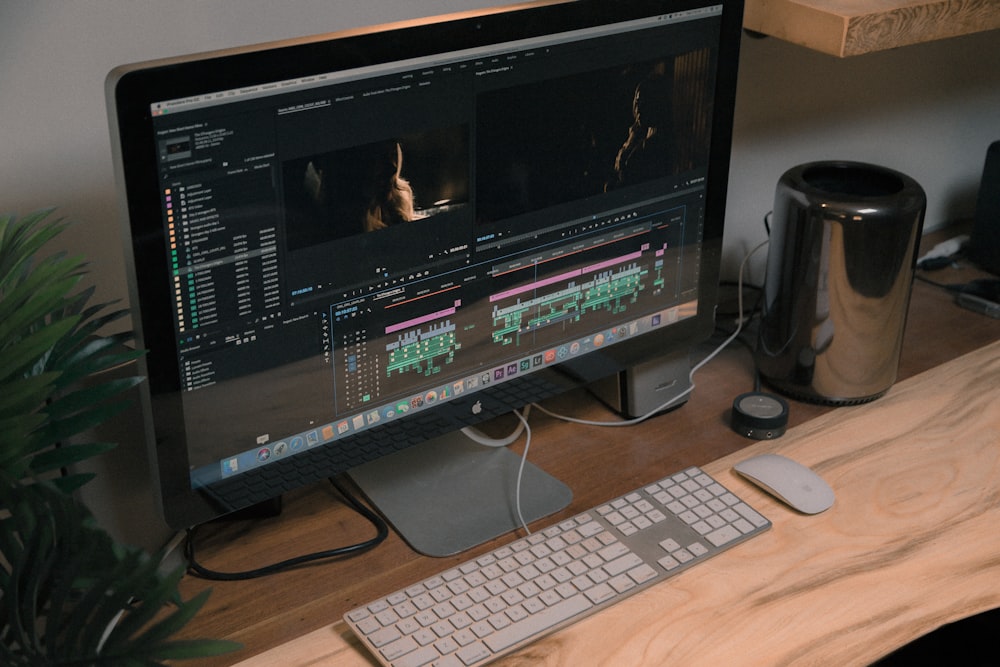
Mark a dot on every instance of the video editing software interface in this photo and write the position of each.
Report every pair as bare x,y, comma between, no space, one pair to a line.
350,248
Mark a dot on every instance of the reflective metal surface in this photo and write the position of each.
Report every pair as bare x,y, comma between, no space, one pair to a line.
839,272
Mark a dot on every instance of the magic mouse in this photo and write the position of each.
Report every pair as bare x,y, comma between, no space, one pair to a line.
789,481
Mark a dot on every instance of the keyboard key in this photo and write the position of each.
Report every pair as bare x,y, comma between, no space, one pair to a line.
383,637
533,625
419,658
623,564
600,593
642,574
722,535
473,653
357,615
669,563
750,514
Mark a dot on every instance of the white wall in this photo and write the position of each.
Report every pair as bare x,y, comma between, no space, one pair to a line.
927,110
55,55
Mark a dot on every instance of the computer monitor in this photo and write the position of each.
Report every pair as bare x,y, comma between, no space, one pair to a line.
345,245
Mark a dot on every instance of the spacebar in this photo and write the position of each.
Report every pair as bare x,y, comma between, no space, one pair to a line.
538,623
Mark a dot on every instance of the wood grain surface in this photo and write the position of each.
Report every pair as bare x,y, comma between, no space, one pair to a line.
910,544
853,27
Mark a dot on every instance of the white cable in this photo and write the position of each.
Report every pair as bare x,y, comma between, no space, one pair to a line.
739,328
481,438
477,436
520,470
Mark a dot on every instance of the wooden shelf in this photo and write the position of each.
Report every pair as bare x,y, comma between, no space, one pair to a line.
853,27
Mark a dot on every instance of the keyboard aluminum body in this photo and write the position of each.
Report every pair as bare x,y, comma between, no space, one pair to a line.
493,604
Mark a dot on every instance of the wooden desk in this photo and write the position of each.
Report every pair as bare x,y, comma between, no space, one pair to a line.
870,574
910,544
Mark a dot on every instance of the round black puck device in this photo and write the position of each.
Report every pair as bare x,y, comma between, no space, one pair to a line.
759,416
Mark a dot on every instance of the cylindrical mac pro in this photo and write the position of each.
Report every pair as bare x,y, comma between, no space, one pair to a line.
840,267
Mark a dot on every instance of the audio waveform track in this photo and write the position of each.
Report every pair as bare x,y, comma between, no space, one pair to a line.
614,286
424,352
611,290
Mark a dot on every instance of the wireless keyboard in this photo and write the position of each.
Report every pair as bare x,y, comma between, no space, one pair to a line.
491,605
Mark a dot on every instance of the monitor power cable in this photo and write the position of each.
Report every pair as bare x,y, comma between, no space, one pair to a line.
480,438
522,427
520,470
381,528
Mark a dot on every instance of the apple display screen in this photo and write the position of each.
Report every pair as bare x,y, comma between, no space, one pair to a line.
346,245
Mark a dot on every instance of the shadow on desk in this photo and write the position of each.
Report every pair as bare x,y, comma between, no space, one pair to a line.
970,642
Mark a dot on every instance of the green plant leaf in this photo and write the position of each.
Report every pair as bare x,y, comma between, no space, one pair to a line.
83,346
95,320
21,356
111,595
63,580
15,443
21,240
38,292
30,534
79,549
41,288
71,482
67,455
26,394
59,430
142,615
22,320
83,399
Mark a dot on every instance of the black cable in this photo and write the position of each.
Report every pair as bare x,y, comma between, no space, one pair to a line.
937,263
944,286
382,529
758,312
984,288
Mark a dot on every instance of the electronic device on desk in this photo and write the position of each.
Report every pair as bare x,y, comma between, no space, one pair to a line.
345,245
984,242
981,296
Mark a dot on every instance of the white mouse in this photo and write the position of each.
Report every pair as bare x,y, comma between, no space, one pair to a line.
789,481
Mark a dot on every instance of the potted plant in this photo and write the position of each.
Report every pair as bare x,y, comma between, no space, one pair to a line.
69,594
